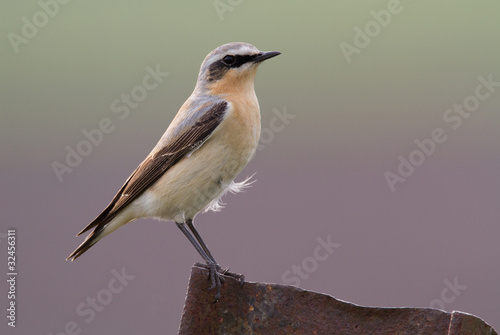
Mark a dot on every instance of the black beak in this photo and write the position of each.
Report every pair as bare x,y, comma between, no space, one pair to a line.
265,55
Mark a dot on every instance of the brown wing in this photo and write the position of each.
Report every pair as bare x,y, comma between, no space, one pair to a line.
153,167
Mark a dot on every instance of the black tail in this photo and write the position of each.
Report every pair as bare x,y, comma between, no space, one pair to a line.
92,239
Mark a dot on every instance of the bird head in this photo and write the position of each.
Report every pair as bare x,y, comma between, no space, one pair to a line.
230,67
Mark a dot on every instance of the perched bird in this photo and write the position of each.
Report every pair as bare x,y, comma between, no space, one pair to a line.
211,139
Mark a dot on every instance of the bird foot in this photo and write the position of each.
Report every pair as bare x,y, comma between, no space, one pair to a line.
216,274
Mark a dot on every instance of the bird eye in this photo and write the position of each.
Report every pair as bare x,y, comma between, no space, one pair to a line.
228,60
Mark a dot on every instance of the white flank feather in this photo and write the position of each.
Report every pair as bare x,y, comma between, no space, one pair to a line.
233,187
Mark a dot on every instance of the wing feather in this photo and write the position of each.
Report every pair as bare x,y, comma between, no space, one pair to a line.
154,166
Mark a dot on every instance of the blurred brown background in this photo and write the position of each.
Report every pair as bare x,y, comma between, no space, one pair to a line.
360,83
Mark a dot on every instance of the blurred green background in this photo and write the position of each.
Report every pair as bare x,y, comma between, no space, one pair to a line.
320,174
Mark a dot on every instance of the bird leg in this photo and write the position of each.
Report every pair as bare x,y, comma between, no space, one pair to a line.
215,271
225,271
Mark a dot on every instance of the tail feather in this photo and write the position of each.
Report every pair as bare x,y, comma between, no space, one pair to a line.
91,239
102,219
103,228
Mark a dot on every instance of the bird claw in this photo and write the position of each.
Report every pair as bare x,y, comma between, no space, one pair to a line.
237,276
216,278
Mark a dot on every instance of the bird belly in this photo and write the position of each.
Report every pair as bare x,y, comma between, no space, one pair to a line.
195,181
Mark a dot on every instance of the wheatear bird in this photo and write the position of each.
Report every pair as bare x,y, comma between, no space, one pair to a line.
211,139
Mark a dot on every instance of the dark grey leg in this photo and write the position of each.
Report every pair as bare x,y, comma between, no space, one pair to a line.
201,251
216,273
215,277
191,227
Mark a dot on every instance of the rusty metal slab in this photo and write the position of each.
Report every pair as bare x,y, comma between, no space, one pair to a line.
258,308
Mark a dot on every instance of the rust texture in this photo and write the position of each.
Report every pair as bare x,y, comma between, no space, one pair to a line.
257,308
